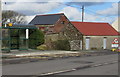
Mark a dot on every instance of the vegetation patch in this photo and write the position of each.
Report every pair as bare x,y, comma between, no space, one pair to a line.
36,38
62,45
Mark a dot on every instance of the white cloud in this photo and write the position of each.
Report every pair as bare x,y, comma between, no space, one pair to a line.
110,11
89,17
25,0
36,1
74,14
107,19
29,7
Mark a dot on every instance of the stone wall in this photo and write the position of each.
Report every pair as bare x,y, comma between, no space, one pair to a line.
51,38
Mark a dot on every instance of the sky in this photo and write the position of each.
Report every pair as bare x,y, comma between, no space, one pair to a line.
94,10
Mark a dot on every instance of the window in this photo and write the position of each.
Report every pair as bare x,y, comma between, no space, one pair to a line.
63,22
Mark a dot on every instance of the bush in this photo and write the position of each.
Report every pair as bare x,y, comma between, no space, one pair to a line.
62,45
42,47
36,38
93,48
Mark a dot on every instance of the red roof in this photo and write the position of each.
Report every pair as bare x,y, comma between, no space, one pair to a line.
95,29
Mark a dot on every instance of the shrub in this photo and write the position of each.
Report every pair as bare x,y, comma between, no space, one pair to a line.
93,48
62,45
36,38
42,47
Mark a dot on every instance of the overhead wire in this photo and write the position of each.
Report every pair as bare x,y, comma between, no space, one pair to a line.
90,11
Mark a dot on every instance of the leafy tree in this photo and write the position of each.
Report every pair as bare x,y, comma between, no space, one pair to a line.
14,16
36,38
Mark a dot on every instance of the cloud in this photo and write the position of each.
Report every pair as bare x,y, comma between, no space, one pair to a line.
25,0
89,2
107,19
36,1
31,8
110,11
84,3
75,15
72,13
61,0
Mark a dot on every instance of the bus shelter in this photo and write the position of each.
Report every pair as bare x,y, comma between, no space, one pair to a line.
16,36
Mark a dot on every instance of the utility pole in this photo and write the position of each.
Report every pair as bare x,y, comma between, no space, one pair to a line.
82,13
82,21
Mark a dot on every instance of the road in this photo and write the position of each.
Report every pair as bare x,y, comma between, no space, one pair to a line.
100,70
53,66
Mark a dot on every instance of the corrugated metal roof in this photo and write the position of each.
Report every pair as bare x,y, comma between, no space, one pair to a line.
95,29
47,19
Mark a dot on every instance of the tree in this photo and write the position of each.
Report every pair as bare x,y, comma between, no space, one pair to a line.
36,38
15,17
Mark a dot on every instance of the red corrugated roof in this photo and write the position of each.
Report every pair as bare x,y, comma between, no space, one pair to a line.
95,29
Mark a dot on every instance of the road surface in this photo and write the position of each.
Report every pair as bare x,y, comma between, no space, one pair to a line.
110,69
52,66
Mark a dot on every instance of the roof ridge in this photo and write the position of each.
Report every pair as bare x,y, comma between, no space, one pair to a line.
89,22
50,14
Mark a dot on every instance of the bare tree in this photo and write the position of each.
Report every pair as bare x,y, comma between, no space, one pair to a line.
15,17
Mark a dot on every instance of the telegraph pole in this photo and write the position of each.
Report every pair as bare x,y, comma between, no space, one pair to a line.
82,13
82,21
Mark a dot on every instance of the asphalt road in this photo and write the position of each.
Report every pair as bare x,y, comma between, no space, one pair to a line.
43,67
100,70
